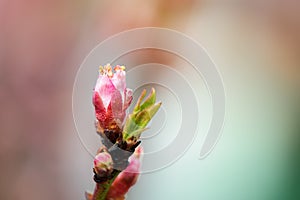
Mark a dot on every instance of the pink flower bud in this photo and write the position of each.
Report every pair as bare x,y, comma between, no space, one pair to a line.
111,98
126,178
103,164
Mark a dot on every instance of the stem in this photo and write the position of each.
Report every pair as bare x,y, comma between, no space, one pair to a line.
101,189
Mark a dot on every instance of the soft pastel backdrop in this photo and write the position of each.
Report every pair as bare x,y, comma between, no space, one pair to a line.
255,44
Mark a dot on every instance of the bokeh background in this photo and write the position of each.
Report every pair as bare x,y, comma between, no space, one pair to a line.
255,44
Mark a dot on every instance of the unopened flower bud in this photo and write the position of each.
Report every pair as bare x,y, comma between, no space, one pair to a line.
103,166
111,98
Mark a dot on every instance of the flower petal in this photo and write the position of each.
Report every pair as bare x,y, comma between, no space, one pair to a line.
127,98
116,105
99,107
105,87
109,117
119,80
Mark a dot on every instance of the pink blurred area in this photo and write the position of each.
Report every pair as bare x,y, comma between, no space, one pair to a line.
42,44
37,40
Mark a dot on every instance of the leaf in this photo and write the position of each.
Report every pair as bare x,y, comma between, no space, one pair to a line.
129,127
142,118
153,109
150,100
137,105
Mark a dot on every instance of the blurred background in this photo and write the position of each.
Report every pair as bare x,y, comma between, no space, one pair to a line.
255,44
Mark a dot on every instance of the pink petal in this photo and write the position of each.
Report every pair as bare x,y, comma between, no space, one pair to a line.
127,98
102,158
116,107
105,87
103,163
119,80
99,107
109,117
135,161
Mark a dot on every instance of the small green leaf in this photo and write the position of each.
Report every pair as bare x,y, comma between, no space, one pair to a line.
142,114
130,126
150,100
142,118
136,134
137,106
153,109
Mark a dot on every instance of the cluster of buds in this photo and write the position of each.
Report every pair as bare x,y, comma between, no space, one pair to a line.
118,160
